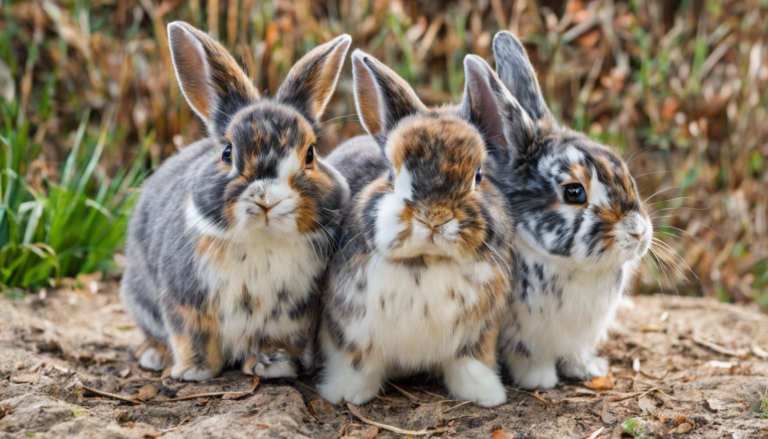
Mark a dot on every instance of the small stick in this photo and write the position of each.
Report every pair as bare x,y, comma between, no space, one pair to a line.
423,432
176,427
456,406
719,349
215,394
594,434
410,396
638,394
534,394
110,395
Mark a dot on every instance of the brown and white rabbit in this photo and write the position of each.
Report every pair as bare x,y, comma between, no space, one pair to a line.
230,238
423,274
581,230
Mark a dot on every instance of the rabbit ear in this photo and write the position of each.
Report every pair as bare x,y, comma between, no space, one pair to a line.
517,74
311,82
382,97
214,85
490,107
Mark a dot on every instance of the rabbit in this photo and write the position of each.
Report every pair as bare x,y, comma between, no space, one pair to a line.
581,229
230,238
424,271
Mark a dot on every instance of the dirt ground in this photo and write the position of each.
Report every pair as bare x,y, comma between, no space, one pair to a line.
680,367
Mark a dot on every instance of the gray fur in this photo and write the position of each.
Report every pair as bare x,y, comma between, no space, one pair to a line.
360,160
209,273
517,74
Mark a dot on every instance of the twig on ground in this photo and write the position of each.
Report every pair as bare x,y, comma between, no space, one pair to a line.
183,421
391,428
636,394
741,353
594,434
410,396
110,395
456,406
232,395
534,394
441,397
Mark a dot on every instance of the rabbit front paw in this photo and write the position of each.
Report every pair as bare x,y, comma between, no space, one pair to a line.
279,369
153,359
585,368
527,374
468,378
183,372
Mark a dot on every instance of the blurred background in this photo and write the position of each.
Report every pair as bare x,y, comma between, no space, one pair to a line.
90,106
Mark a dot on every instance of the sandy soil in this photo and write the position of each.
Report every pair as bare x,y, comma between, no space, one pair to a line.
663,375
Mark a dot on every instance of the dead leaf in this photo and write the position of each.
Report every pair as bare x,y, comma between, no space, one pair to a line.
320,408
145,431
601,383
146,392
607,417
357,431
504,434
683,428
26,377
715,405
648,404
4,410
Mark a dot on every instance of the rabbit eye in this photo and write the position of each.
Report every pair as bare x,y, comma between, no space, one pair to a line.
226,156
310,155
479,175
574,194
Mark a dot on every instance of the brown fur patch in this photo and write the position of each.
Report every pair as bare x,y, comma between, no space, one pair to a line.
213,249
198,322
192,65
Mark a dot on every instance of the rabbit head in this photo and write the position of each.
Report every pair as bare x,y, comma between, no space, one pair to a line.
435,199
572,198
267,175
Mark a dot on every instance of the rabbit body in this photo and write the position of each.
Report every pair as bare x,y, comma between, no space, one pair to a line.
423,274
581,231
230,238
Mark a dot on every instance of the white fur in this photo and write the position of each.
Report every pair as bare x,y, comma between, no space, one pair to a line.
404,336
152,360
566,328
266,260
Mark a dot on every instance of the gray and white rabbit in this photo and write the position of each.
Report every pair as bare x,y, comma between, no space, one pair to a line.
230,238
581,230
423,274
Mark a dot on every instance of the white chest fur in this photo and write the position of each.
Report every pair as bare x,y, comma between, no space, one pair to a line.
564,310
416,316
254,284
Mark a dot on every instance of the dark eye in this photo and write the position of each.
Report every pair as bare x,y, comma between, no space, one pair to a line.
226,156
310,155
574,194
479,175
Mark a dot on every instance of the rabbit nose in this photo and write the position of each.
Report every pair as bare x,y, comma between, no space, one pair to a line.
266,207
635,235
435,219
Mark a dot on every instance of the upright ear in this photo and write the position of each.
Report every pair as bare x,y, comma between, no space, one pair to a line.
214,85
311,82
517,74
489,106
382,97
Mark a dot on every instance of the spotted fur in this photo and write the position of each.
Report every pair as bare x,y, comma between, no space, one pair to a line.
572,261
423,274
226,258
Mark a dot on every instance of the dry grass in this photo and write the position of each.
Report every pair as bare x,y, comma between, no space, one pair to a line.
677,86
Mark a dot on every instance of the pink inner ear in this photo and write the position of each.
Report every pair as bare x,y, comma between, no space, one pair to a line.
484,103
191,69
367,97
